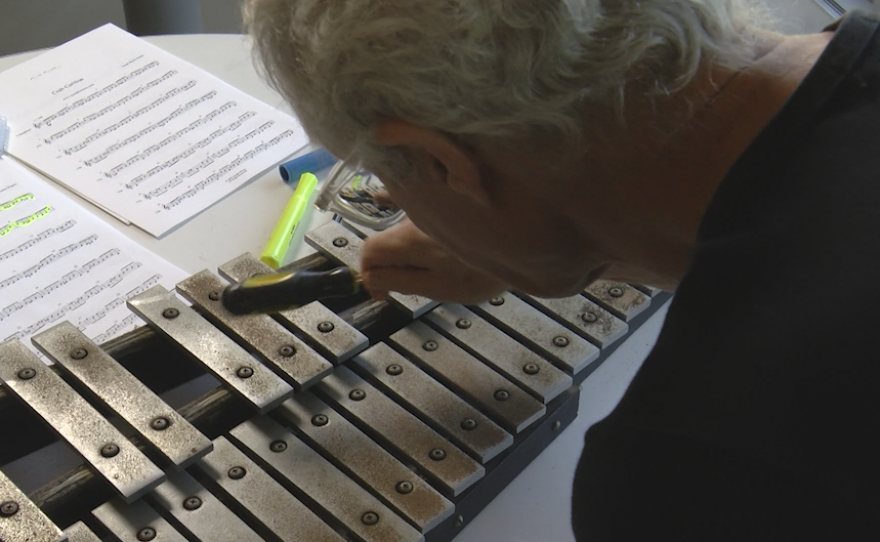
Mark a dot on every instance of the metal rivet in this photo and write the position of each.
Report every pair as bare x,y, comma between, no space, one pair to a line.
437,454
615,292
171,313
463,323
370,518
459,521
357,394
430,346
146,534
8,508
340,242
502,395
325,327
404,487
27,374
278,446
287,351
556,425
320,420
244,372
110,450
214,296
192,503
160,424
560,341
497,301
531,369
394,369
468,424
79,353
236,473
589,317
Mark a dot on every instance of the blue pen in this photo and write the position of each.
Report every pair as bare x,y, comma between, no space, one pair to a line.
307,163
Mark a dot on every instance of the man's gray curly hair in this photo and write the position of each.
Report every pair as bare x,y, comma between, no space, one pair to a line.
484,67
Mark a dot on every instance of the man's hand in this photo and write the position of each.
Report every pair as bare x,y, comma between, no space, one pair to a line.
403,259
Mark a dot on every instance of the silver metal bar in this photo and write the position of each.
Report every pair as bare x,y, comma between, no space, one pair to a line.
618,298
102,445
649,291
135,522
501,399
435,404
534,373
360,456
542,333
79,532
351,505
159,424
294,360
584,317
230,363
439,458
200,512
21,519
341,244
264,498
321,327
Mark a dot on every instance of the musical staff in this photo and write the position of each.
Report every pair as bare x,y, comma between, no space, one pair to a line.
10,204
26,221
48,260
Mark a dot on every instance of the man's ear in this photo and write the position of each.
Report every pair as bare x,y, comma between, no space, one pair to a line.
436,152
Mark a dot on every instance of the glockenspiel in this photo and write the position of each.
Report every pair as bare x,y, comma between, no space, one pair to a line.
348,419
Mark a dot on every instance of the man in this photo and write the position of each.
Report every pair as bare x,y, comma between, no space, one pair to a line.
540,144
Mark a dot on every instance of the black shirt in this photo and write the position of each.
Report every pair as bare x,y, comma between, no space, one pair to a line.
757,414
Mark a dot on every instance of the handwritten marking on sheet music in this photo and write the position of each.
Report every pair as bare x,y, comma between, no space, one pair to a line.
138,131
73,267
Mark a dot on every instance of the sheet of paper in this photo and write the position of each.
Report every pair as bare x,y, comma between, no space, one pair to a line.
144,135
59,262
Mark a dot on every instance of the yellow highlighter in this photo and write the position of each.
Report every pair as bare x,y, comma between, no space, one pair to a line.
276,248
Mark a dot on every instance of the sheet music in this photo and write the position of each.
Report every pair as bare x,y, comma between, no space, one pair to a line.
141,133
59,262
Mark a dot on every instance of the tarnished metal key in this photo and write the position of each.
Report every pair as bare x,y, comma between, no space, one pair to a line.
230,363
102,445
618,298
262,497
337,242
321,327
200,512
542,333
158,423
440,407
501,399
294,360
583,316
438,457
79,532
21,519
356,453
351,505
135,522
532,372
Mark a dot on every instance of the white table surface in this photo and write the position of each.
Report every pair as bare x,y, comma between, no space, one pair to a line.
535,506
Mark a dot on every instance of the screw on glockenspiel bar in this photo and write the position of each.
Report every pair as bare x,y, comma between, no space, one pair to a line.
556,425
468,424
502,395
278,446
370,518
437,454
146,534
340,242
27,374
160,424
244,372
430,346
110,450
531,369
214,296
79,353
463,323
192,503
404,487
236,473
394,369
357,394
320,420
326,327
497,301
589,317
560,341
287,351
615,291
170,313
459,521
8,508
